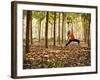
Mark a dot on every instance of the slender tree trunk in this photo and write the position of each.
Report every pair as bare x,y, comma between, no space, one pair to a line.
30,25
59,29
83,23
85,28
54,28
89,35
89,21
52,34
51,31
39,30
62,25
27,30
42,30
46,30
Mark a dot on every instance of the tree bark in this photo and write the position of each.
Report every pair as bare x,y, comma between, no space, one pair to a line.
46,31
59,29
54,28
30,25
86,23
28,22
89,21
42,30
39,30
62,25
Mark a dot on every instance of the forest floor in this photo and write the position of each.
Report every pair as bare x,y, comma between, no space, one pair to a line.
59,56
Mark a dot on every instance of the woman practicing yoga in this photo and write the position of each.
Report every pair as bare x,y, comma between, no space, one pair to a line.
71,38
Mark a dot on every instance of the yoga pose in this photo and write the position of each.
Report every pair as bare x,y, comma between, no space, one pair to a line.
71,38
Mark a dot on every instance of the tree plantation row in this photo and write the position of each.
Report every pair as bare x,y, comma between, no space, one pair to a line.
46,28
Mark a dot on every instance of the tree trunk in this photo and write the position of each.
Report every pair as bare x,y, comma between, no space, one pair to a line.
84,31
59,29
89,35
30,25
52,25
89,21
42,31
46,31
51,31
62,25
54,28
39,30
84,25
28,22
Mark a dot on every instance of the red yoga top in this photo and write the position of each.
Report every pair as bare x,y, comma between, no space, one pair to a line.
71,36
